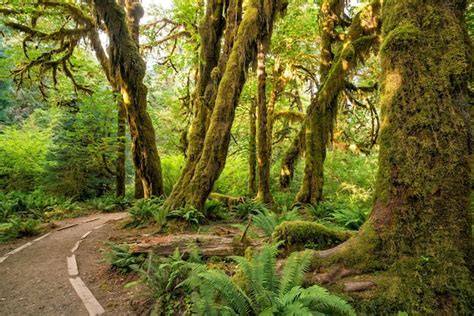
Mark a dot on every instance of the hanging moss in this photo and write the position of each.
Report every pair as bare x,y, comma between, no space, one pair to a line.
298,235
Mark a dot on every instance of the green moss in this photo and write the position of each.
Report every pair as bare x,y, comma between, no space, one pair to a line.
420,286
404,35
297,235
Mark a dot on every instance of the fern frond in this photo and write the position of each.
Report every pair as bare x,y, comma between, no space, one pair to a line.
266,263
321,300
227,290
265,220
297,309
293,273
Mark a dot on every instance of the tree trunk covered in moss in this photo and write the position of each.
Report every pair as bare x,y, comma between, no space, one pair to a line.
129,69
290,159
252,184
213,60
258,18
120,174
210,29
311,190
263,146
322,112
132,9
419,232
279,83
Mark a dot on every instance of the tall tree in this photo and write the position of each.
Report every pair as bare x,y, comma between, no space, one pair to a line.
419,234
360,37
210,30
263,140
256,21
252,183
129,68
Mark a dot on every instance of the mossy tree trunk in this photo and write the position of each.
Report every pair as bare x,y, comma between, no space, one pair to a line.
290,159
213,60
419,232
133,23
129,69
257,19
311,190
132,9
252,184
322,112
263,140
120,173
211,30
279,84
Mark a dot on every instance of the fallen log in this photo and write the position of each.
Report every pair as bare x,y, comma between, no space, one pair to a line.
208,245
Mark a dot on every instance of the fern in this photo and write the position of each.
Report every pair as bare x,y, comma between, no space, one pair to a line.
267,220
293,273
325,302
229,292
261,292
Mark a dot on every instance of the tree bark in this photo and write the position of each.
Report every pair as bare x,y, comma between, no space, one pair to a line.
290,159
129,68
418,236
132,8
263,146
120,174
252,184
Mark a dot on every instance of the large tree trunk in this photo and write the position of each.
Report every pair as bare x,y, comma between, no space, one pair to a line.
211,68
258,16
263,146
129,68
419,232
120,171
311,190
133,23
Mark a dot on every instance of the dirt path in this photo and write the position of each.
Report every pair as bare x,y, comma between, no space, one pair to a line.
35,280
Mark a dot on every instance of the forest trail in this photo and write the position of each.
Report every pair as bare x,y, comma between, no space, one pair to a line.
35,280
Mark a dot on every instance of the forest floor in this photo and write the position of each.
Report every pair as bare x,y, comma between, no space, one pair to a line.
36,279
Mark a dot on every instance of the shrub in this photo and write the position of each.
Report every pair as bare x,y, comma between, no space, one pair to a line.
16,227
110,203
188,214
171,166
23,156
164,278
122,259
214,210
146,211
